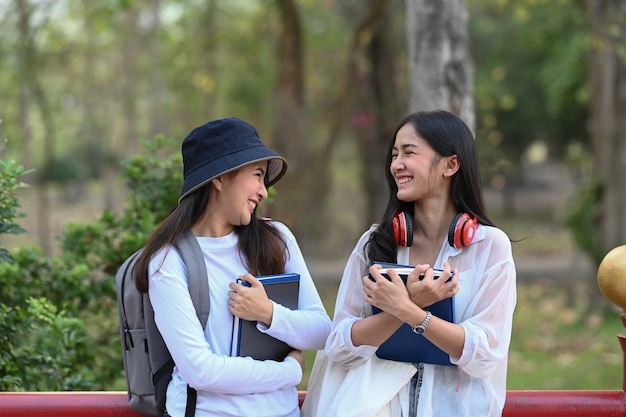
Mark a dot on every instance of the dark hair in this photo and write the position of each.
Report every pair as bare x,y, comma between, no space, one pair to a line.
448,135
261,244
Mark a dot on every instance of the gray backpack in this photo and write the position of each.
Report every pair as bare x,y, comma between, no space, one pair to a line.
147,362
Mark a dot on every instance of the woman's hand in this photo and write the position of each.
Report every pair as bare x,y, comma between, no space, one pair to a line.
430,289
387,294
250,302
297,355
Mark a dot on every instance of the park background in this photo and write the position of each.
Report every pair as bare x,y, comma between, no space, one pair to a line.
97,96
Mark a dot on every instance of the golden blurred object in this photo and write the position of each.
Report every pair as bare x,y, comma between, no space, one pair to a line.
612,276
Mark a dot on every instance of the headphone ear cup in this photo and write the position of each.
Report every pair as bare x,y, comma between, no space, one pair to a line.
408,221
402,229
452,230
462,230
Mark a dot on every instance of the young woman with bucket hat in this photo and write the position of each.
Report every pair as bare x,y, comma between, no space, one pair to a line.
227,170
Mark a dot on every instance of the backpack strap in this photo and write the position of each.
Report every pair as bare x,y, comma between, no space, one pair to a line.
192,398
191,253
122,275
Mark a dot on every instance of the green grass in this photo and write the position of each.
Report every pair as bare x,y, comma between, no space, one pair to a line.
554,346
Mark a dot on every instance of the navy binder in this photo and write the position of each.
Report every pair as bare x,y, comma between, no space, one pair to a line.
407,346
248,340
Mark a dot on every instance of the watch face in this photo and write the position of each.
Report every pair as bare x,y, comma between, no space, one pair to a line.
418,329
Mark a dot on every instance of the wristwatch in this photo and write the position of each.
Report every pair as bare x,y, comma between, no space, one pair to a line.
421,328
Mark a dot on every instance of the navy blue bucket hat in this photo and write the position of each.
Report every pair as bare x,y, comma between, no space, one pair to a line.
222,146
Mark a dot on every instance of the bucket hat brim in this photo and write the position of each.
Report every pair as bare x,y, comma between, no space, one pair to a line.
276,168
222,146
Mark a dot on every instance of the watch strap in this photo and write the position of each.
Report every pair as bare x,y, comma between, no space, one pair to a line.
421,328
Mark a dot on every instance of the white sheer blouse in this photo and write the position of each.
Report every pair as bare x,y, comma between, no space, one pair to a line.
484,307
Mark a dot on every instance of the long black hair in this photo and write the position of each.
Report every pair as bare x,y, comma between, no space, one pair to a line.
261,244
447,135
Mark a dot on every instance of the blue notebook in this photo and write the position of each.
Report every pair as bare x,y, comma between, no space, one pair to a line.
407,346
247,339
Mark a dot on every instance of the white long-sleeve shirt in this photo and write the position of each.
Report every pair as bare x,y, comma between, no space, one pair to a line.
484,307
231,386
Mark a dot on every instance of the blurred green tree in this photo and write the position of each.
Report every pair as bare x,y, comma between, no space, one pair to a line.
530,84
607,81
56,327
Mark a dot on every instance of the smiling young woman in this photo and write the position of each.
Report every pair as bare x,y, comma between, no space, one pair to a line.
435,220
227,171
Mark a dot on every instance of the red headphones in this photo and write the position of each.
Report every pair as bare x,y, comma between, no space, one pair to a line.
461,233
403,229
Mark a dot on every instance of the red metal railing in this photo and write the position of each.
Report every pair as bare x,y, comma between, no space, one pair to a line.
115,404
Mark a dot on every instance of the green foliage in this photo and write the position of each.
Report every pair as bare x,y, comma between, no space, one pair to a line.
530,79
153,188
155,182
43,349
43,342
58,316
10,172
572,349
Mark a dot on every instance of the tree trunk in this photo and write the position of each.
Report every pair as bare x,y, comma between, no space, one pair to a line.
26,133
94,123
441,70
129,136
29,64
208,47
607,85
386,109
296,189
373,104
156,91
